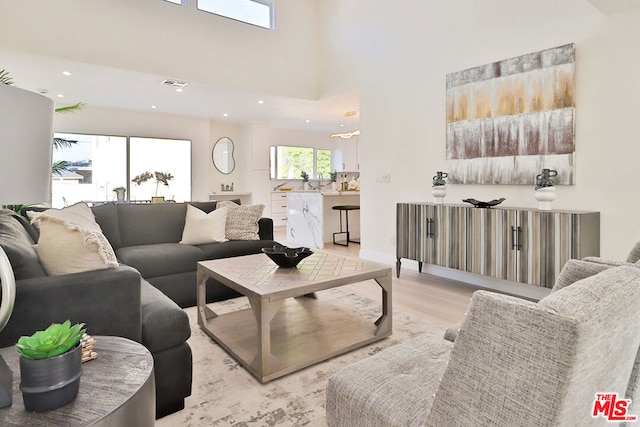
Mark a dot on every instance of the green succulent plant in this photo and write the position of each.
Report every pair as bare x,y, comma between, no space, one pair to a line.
57,339
305,176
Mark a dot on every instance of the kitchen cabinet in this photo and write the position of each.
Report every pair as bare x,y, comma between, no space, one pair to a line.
345,156
519,245
279,208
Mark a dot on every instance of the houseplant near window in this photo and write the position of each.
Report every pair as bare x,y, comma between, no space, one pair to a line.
50,366
305,180
120,193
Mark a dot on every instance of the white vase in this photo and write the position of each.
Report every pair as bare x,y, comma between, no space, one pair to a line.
545,196
439,192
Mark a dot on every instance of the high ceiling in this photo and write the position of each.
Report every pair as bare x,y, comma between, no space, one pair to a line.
130,90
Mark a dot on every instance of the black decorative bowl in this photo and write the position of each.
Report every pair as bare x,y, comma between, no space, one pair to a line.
487,205
287,257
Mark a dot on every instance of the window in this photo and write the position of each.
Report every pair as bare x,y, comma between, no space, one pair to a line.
289,162
253,12
171,157
96,164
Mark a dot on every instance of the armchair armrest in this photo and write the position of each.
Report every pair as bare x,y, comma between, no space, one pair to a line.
107,301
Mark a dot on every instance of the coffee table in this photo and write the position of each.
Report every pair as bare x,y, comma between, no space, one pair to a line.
288,327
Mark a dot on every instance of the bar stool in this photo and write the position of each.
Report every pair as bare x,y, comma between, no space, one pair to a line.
346,209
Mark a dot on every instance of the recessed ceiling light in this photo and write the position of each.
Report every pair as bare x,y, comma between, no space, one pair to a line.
179,89
307,121
225,115
261,102
66,73
154,106
60,95
341,125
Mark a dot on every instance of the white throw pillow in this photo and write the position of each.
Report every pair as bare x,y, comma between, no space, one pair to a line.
201,228
71,241
242,221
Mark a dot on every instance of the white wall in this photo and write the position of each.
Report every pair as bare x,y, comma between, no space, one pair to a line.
160,38
401,52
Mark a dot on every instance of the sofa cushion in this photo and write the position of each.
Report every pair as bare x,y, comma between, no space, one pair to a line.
242,221
147,224
161,259
164,324
17,244
107,217
235,248
201,227
71,241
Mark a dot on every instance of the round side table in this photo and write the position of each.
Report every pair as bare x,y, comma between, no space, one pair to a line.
116,389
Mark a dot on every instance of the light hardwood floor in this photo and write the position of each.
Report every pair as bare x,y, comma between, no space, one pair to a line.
433,299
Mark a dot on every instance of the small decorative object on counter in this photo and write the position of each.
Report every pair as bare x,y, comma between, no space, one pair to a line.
487,205
545,192
226,187
353,185
305,180
50,366
439,187
334,177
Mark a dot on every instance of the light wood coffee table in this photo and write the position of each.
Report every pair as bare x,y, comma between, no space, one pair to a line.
287,327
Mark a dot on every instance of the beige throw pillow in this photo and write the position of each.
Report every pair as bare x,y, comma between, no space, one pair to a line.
71,241
201,228
242,221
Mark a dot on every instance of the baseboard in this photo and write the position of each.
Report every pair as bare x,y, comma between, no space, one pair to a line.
523,290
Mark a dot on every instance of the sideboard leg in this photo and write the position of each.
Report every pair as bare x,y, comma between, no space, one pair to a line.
398,268
419,266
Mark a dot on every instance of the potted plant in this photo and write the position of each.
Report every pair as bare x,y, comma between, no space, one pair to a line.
334,178
161,178
305,180
50,366
120,193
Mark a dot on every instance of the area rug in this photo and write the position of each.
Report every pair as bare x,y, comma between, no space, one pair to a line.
225,394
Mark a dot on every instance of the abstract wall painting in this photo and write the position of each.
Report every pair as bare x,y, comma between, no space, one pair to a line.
508,120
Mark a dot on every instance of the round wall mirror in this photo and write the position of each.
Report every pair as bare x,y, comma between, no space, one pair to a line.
223,155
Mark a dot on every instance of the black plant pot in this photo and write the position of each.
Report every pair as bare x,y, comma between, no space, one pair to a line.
48,384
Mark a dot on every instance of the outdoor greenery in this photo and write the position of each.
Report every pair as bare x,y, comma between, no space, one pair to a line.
57,339
290,162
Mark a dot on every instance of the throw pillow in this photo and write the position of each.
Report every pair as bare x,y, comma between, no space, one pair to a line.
71,241
201,228
18,245
242,221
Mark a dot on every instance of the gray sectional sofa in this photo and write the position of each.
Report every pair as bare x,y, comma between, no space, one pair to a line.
139,300
146,237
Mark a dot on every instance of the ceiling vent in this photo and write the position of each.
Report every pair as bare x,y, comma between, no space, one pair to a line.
173,83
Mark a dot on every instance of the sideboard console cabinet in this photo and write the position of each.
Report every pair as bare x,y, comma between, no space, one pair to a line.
520,245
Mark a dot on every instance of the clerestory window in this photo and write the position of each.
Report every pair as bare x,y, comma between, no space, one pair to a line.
254,12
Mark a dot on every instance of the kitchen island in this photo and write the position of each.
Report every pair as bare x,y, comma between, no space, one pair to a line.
311,221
